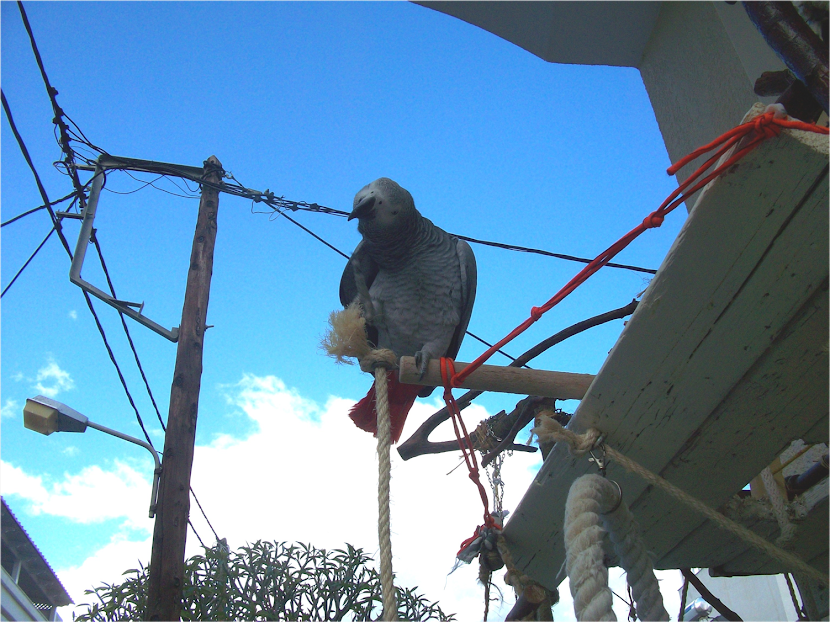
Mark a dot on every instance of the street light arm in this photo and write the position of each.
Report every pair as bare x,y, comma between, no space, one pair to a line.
148,447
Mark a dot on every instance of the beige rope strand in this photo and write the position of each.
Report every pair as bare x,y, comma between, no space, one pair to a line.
390,607
550,429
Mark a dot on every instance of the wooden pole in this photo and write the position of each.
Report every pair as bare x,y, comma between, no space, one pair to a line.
559,384
164,598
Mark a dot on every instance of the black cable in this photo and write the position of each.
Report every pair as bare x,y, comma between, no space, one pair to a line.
310,232
58,120
37,209
18,217
152,183
117,368
97,244
48,235
195,498
198,537
126,329
337,250
525,249
55,223
490,345
149,183
79,192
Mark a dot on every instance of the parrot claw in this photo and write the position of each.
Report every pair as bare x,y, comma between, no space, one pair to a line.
422,362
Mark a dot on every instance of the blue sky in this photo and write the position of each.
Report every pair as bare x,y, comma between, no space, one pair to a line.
312,101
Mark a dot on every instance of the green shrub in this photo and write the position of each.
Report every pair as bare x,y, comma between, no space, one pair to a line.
267,581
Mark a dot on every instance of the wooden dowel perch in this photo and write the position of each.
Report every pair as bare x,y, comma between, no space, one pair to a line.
558,384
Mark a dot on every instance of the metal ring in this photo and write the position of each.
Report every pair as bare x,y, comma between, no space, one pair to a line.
619,499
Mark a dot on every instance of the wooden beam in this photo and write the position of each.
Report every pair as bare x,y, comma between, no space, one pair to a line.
558,384
166,580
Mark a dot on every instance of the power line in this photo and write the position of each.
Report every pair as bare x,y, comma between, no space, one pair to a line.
198,537
126,329
37,209
79,194
97,244
525,249
48,235
55,222
63,141
337,250
195,498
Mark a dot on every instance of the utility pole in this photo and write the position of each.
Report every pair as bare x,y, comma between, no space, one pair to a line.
164,598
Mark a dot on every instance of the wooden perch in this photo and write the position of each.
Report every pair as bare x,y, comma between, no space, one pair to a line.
558,384
419,444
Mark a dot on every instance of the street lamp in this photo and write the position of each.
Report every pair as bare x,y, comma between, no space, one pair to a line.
45,415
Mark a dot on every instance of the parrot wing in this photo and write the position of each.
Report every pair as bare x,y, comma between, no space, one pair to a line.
348,284
469,277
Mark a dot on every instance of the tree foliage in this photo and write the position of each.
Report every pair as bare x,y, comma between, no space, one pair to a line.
267,581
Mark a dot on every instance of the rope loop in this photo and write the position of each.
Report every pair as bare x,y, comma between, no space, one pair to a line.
448,376
536,313
653,220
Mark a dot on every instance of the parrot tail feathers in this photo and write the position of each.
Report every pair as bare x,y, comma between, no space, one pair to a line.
401,398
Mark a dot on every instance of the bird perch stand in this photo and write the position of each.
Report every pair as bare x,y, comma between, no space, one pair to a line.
561,385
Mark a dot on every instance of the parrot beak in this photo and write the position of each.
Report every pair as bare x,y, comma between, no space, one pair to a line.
364,209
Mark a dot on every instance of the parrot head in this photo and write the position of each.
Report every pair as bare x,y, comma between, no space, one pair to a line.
383,209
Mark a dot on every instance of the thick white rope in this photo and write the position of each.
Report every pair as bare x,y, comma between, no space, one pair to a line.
347,338
593,509
390,607
548,429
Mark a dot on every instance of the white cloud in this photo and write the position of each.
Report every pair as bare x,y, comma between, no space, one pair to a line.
17,376
91,496
70,451
73,314
56,380
306,475
10,409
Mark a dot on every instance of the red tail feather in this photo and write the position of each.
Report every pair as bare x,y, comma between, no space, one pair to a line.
401,398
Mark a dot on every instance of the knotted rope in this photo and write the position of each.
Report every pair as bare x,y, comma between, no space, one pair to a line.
347,338
520,582
548,429
594,508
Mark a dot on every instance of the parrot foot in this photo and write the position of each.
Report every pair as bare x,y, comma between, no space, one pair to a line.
422,358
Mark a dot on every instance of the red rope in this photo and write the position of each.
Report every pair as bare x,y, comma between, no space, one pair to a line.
764,126
466,446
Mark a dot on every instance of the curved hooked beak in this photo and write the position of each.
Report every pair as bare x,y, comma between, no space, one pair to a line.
365,209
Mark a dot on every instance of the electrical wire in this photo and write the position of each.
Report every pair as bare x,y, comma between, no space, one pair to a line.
48,235
196,499
97,245
37,209
46,202
198,537
79,195
58,119
525,249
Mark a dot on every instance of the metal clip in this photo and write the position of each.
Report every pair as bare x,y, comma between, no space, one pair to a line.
602,462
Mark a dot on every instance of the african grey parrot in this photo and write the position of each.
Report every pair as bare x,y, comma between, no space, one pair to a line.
416,284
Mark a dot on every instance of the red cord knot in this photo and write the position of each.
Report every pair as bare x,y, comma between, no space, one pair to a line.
448,375
536,313
653,220
765,125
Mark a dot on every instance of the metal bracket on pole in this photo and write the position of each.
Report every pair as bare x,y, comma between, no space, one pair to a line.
80,252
